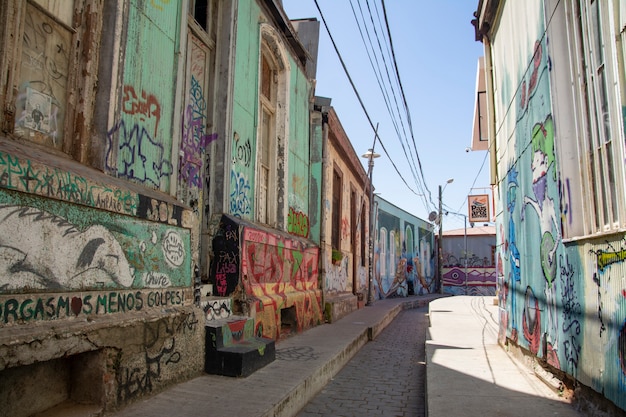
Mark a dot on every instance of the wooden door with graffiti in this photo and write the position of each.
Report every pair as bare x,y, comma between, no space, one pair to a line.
197,128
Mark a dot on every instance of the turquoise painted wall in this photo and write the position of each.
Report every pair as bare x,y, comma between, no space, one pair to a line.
294,156
139,144
535,259
299,222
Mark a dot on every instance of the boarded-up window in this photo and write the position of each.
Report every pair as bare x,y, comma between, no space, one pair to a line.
41,100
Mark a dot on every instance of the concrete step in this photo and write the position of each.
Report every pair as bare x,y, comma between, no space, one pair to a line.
226,332
244,358
232,348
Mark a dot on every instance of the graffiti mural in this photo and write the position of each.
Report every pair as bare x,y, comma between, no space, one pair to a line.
542,297
609,309
403,256
298,223
50,245
194,138
335,279
240,202
28,176
283,274
140,156
139,144
477,280
25,308
216,309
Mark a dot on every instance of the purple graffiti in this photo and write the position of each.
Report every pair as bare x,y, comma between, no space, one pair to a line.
195,139
140,157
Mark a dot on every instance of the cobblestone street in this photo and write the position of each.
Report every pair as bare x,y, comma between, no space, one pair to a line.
386,378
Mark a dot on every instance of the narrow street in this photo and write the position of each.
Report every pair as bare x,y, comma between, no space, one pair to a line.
385,378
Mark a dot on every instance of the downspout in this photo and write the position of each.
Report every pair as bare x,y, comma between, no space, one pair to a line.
493,174
323,220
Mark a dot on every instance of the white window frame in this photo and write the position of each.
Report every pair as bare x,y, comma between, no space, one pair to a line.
600,132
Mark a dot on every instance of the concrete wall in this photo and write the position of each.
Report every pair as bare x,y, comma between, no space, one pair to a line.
562,300
89,269
404,253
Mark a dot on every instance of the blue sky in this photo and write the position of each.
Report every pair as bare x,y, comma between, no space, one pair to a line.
436,56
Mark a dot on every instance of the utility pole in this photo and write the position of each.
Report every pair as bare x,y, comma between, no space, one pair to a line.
439,248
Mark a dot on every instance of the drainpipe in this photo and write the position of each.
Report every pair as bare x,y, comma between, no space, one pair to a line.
492,111
323,247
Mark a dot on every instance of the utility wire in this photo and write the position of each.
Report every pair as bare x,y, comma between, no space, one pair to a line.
406,106
475,179
345,69
376,68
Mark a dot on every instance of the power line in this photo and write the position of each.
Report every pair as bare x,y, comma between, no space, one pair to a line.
376,68
359,96
394,112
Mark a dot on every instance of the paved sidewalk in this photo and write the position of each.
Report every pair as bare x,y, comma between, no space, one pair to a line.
304,364
469,374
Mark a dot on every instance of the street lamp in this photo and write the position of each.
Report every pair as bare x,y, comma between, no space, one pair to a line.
440,263
370,156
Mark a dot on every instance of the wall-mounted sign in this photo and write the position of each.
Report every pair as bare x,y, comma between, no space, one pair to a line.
478,206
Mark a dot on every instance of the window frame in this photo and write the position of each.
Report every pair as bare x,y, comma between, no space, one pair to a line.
12,58
337,208
272,48
266,143
600,136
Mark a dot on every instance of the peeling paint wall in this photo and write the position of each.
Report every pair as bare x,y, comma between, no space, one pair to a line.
97,268
347,275
139,143
290,178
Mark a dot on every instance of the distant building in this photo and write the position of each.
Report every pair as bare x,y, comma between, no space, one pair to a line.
469,264
404,252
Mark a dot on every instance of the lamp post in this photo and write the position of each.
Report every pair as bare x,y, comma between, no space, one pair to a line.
370,156
440,263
